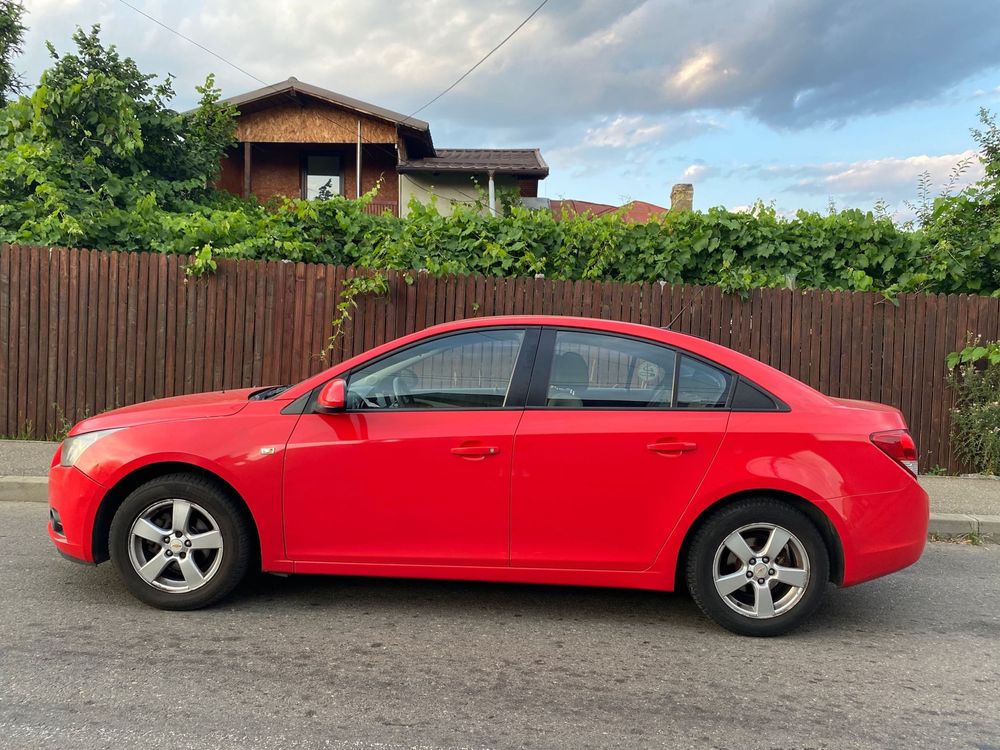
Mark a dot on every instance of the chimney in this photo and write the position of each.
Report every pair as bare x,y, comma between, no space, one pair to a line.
682,197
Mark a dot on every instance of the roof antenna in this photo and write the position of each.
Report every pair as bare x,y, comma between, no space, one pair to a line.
684,309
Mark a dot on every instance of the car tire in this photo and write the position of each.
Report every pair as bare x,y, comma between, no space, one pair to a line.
180,542
769,583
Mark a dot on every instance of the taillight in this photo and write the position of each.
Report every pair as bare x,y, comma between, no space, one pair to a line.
899,446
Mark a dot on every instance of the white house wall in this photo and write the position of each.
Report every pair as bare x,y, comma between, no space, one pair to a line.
448,189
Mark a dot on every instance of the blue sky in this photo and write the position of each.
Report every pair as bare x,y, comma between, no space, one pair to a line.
793,102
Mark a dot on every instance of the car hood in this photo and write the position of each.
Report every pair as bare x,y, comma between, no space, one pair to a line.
195,406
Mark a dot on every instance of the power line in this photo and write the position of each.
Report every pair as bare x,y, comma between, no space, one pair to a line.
483,59
200,46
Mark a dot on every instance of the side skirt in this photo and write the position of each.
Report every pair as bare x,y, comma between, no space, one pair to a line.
655,581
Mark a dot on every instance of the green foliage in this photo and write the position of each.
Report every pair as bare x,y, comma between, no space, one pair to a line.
371,282
738,251
11,40
963,231
976,416
94,157
975,353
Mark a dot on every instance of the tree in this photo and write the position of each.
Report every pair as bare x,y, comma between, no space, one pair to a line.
964,229
11,38
96,148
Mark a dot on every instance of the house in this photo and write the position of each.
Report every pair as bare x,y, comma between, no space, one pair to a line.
303,141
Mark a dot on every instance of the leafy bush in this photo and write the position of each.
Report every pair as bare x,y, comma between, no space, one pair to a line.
976,416
738,251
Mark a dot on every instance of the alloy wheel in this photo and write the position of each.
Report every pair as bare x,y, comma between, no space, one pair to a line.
175,545
761,570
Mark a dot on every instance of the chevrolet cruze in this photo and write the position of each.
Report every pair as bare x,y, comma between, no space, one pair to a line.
527,449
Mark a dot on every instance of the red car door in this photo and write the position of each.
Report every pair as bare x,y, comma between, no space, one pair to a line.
417,469
617,436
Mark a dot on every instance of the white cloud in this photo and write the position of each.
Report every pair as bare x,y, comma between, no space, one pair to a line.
698,171
891,176
623,132
789,63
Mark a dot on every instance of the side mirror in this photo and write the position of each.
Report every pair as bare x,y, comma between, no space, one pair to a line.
332,398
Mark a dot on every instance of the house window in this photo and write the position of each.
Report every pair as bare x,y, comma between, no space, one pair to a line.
321,177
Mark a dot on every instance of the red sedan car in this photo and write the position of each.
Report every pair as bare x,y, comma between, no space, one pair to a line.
528,449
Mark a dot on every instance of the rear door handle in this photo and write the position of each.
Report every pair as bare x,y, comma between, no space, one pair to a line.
475,450
672,447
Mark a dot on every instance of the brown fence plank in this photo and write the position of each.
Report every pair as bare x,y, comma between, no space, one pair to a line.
6,356
16,298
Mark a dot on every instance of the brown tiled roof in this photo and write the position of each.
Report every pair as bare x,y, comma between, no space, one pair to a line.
516,161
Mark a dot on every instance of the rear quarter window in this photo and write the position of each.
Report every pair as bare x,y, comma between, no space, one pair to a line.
749,397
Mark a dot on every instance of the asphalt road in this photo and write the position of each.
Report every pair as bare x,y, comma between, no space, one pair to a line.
910,661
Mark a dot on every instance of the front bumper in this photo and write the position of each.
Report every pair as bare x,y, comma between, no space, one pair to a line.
75,498
884,532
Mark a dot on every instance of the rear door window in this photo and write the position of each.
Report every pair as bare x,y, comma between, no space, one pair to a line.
595,370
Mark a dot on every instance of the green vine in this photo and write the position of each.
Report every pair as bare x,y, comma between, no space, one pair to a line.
202,262
374,283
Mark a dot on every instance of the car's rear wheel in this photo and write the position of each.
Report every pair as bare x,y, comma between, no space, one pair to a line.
180,542
758,567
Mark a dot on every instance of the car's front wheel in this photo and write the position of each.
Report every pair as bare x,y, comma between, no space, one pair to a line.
180,542
758,567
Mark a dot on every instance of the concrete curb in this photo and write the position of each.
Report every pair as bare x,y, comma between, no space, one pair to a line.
951,525
24,489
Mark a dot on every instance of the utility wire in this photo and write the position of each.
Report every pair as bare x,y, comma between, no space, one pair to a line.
200,46
274,88
483,59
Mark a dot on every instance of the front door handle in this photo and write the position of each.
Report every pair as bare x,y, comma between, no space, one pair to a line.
474,451
672,446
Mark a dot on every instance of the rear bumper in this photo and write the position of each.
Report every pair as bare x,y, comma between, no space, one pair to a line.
883,532
75,498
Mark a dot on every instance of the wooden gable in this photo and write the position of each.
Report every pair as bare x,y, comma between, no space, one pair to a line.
311,122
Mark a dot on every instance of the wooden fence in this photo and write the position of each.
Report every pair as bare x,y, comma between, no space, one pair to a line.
84,331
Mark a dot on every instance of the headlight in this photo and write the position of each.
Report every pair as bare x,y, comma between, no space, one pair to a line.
73,447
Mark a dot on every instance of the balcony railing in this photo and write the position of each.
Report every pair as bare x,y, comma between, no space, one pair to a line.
379,207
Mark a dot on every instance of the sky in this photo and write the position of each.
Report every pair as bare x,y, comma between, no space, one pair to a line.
798,103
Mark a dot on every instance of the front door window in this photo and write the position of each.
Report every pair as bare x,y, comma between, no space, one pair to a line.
463,371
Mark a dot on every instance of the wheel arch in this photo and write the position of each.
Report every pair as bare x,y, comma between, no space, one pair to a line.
834,545
116,495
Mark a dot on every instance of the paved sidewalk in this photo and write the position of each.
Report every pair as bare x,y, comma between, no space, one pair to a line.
959,505
26,458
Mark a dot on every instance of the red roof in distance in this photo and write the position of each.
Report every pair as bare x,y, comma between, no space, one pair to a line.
634,212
